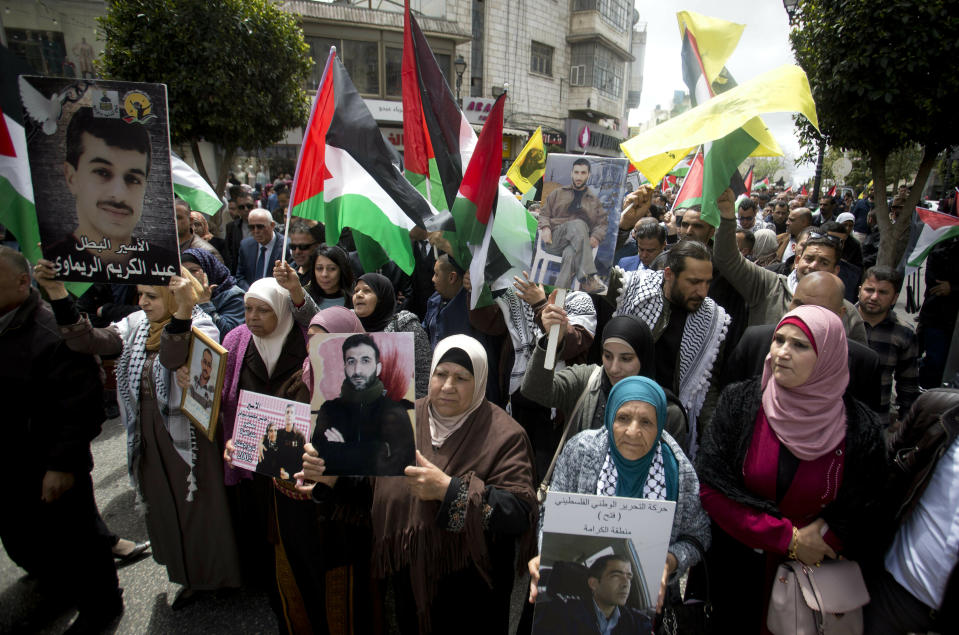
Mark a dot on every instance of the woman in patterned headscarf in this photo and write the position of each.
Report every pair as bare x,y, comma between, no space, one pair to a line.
632,455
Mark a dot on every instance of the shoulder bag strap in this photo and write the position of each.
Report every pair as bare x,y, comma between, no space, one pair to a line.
541,491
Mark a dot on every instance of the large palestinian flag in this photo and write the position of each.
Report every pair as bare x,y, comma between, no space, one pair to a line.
347,176
937,227
437,139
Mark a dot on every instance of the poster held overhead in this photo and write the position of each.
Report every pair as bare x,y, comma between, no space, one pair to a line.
100,161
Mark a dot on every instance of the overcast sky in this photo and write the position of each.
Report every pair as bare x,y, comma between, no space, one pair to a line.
764,45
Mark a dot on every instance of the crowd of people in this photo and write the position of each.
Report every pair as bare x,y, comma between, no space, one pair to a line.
754,373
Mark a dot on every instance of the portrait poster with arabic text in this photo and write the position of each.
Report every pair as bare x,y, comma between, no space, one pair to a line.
603,551
100,164
269,434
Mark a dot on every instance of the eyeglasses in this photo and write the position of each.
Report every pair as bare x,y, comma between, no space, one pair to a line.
259,226
249,206
304,247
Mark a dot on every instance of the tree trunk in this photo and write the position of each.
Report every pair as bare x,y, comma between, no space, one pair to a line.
198,159
894,238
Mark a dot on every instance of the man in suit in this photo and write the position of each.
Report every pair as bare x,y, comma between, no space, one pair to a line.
822,289
260,251
603,612
239,228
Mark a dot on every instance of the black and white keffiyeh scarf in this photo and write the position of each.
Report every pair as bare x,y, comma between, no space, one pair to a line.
655,487
129,371
704,332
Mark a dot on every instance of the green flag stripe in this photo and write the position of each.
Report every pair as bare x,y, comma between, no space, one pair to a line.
719,163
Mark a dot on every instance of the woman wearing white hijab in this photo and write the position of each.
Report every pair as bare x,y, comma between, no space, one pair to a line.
264,353
446,534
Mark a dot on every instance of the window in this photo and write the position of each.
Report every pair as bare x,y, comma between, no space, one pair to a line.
45,52
540,59
602,69
614,12
362,62
394,65
319,51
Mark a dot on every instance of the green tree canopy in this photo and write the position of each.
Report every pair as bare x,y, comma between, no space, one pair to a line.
234,69
876,72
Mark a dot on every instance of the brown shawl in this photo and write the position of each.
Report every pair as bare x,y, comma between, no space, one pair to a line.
489,449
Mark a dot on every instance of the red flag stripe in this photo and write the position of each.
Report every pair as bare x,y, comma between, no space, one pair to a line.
482,174
416,150
936,220
307,182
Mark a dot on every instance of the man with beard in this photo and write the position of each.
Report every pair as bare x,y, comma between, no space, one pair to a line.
894,341
689,327
200,389
572,223
363,432
290,442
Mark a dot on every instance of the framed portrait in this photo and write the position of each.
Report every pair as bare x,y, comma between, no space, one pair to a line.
269,434
578,221
201,400
99,156
363,393
601,551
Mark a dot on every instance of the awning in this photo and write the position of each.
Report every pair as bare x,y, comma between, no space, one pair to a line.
510,132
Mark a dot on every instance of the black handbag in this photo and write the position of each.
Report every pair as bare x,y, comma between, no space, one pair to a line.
690,615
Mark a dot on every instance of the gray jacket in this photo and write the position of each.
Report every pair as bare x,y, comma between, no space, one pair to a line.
766,293
577,472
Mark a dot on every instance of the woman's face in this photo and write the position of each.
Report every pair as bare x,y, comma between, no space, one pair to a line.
151,302
260,318
195,270
315,329
792,356
364,300
619,361
327,274
271,433
451,389
634,429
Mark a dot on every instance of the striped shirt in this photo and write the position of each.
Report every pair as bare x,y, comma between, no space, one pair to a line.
898,351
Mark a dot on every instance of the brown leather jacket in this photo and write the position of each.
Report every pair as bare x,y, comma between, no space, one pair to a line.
555,212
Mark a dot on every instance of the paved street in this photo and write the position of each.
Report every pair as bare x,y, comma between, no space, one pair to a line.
147,593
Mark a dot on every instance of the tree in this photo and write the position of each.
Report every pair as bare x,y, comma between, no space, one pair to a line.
764,166
234,69
876,74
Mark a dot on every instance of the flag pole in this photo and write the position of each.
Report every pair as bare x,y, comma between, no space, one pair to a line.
553,341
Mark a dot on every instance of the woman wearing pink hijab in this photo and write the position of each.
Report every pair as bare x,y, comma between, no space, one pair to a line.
788,468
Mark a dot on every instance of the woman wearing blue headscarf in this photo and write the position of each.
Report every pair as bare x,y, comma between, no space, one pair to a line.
633,456
221,299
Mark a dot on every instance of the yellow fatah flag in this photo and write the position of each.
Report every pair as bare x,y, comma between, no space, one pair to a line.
530,165
865,191
783,89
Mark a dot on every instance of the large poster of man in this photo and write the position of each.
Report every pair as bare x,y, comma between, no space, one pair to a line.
100,162
601,563
363,399
578,221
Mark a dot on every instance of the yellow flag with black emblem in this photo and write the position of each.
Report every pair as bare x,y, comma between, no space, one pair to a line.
530,165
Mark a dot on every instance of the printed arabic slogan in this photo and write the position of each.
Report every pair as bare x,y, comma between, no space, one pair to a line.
269,435
600,552
100,162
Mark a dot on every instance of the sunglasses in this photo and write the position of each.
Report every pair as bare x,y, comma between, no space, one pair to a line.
259,226
823,236
250,206
304,247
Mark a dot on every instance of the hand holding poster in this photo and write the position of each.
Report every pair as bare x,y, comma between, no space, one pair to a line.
100,162
363,394
269,435
600,552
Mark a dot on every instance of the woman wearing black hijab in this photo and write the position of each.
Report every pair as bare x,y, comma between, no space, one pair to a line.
374,302
580,391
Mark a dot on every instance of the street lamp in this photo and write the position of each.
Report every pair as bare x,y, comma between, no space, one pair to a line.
460,66
791,6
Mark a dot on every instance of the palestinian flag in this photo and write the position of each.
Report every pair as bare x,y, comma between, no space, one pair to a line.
437,139
347,176
681,169
691,191
803,191
763,185
17,210
193,188
938,227
748,181
832,191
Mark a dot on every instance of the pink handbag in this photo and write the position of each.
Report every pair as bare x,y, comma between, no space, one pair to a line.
824,600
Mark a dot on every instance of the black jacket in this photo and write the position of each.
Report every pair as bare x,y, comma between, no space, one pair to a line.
577,617
53,396
853,515
746,361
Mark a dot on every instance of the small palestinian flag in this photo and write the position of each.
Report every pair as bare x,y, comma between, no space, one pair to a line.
748,181
691,191
193,188
347,175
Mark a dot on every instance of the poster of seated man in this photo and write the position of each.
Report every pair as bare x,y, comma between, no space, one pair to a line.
364,403
578,221
269,435
99,156
601,562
